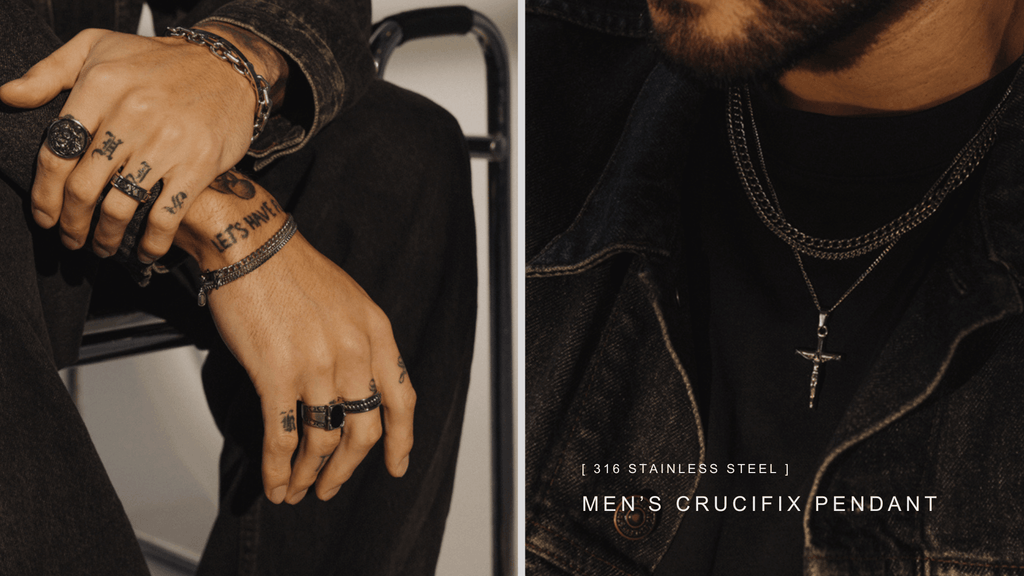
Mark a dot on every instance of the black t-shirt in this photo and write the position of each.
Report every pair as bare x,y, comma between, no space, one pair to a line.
836,177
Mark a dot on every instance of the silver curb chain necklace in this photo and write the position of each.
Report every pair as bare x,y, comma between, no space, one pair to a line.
766,204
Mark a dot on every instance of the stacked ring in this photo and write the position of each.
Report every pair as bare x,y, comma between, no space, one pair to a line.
130,188
328,417
67,137
364,405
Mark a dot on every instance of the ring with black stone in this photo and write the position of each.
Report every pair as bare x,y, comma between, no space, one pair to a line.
67,137
329,417
131,189
364,405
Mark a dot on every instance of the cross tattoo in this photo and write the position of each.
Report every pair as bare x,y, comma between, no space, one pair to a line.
817,356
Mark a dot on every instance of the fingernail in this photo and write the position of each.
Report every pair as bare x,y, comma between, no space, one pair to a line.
330,494
296,498
403,466
277,494
146,258
42,218
102,252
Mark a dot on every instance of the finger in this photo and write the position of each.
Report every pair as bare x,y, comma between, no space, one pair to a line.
362,431
315,450
165,218
280,439
116,211
52,172
58,71
398,402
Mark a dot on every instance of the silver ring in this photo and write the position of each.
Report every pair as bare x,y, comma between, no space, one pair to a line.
364,405
131,189
67,137
329,417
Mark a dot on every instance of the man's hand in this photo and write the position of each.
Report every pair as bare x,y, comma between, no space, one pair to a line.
158,108
305,331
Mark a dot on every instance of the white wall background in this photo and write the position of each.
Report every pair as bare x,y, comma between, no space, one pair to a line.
162,454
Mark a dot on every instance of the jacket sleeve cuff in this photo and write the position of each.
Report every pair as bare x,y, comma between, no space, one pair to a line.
330,84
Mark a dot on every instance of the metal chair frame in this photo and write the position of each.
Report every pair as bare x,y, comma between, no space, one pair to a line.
134,333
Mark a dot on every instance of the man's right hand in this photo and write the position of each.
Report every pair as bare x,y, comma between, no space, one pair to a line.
158,108
305,331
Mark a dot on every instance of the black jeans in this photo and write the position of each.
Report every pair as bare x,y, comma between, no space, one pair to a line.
384,192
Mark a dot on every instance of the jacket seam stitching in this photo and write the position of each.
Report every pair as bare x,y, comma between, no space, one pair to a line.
593,260
563,558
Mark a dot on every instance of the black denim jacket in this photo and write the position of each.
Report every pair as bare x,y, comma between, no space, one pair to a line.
325,42
607,308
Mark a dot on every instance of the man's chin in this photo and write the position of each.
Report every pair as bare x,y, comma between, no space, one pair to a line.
757,45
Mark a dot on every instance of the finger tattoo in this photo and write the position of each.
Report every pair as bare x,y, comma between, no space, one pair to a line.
322,460
178,202
373,386
108,146
401,364
288,420
143,172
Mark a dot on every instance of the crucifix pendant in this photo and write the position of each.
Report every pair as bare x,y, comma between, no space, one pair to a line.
817,356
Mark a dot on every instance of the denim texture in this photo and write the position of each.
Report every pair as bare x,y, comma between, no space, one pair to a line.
384,191
608,308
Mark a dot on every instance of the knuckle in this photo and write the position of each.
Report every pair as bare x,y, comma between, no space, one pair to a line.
323,443
355,347
366,437
283,443
162,224
77,187
49,162
102,74
138,103
170,132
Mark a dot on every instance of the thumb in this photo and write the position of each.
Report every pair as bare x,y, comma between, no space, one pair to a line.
58,71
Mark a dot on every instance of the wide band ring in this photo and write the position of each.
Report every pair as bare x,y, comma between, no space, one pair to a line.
67,137
329,417
364,405
131,189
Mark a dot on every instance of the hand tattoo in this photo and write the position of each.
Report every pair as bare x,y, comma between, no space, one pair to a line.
142,173
178,202
288,420
108,147
230,183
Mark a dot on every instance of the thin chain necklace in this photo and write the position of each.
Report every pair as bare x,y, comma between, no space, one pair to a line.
769,210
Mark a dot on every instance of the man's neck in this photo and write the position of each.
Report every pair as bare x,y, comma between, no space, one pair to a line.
929,54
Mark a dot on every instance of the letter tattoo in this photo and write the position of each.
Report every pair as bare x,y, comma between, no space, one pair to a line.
143,172
288,420
178,202
108,147
401,364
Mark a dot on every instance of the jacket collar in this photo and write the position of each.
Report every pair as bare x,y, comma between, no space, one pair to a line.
635,204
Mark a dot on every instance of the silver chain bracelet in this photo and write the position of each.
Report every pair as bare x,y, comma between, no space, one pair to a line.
227,52
214,279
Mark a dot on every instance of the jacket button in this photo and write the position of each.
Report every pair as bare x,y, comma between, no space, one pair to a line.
636,523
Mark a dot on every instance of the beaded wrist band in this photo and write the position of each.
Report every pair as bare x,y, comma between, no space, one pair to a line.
227,52
214,279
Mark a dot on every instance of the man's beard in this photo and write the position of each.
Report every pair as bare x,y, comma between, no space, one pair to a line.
764,37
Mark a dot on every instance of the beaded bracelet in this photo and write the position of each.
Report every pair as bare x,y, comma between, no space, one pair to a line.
214,279
227,52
